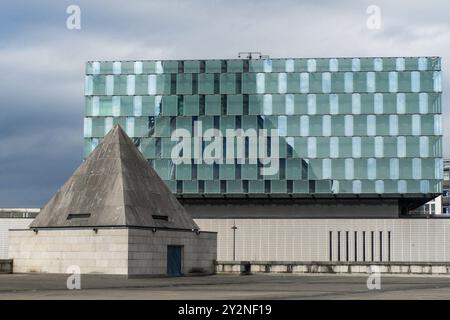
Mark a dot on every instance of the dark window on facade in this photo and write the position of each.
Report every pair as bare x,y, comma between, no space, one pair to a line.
372,245
330,245
346,246
356,245
173,83
216,83
339,246
381,246
364,245
389,245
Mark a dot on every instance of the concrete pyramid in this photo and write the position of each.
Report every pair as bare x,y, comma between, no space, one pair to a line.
114,186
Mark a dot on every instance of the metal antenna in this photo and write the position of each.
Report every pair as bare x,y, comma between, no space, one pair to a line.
250,55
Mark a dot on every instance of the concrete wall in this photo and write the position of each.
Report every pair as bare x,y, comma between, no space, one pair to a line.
402,240
5,225
109,251
53,251
148,251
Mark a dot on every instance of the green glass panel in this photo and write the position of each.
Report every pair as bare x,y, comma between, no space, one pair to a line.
148,147
227,122
301,186
234,186
367,186
184,123
278,104
293,169
213,66
359,82
382,82
383,169
345,64
367,103
405,166
162,127
293,82
212,187
300,65
170,66
412,147
205,172
323,147
404,82
256,65
184,83
169,106
88,106
190,187
149,67
404,125
126,106
163,84
192,66
322,65
234,104
390,103
301,147
278,65
206,83
163,168
367,147
345,147
278,186
315,82
256,186
337,82
191,105
106,67
323,186
411,63
166,147
255,104
227,83
389,64
249,83
293,126
141,85
227,172
98,127
382,127
235,66
141,127
183,172
120,85
390,147
300,104
338,168
213,105
360,168
127,67
345,104
366,64
99,85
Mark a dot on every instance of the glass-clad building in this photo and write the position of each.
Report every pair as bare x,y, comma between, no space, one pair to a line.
346,127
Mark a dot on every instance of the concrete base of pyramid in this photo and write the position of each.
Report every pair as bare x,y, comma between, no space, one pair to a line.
122,251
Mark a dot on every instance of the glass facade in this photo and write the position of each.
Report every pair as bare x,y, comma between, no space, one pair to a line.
346,125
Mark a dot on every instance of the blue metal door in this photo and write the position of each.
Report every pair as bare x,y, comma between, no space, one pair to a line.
174,256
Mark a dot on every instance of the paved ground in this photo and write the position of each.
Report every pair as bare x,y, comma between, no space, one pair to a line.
42,286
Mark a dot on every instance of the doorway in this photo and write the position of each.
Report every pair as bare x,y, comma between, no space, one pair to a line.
174,261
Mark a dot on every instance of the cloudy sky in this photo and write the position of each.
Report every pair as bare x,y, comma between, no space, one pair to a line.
42,62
